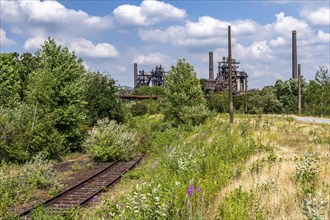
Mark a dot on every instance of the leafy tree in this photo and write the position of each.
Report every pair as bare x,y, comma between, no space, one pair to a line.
318,93
10,83
287,93
62,98
102,99
264,101
183,94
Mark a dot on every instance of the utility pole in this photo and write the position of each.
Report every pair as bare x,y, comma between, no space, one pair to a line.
246,96
230,79
299,90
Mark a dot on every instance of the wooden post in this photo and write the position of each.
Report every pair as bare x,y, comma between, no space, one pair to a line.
299,90
230,79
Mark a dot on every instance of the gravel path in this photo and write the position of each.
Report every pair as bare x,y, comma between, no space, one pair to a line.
313,120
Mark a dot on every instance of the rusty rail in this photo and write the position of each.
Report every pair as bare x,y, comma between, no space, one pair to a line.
84,191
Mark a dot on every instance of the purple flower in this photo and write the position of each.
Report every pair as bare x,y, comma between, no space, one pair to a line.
96,197
190,190
107,216
121,205
199,189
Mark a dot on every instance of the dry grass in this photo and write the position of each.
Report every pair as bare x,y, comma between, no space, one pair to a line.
291,139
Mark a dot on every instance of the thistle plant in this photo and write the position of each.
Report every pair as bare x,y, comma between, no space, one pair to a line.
306,172
313,207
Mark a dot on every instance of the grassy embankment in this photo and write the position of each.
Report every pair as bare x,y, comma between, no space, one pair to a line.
262,167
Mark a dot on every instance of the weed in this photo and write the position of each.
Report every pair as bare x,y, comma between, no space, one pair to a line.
314,207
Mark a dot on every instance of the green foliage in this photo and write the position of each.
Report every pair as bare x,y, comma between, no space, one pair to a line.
102,99
46,110
150,90
306,173
17,184
182,91
318,93
194,115
24,134
287,93
10,83
57,89
110,141
219,102
139,108
264,101
142,203
236,206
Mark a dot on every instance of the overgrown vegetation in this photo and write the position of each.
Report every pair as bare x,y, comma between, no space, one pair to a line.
18,184
109,141
47,102
282,98
198,166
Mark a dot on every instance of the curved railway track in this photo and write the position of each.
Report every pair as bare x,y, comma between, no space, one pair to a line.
84,191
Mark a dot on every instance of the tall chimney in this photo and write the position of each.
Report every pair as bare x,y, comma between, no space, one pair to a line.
294,55
135,74
211,73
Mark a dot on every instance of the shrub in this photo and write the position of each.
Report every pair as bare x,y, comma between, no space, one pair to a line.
306,172
139,108
109,140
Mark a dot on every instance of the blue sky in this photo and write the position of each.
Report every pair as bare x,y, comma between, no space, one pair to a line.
111,35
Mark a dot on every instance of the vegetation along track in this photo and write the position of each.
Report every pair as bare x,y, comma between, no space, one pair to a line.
84,191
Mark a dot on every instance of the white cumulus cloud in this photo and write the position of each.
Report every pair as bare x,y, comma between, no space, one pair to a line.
86,48
207,32
152,59
4,41
148,13
320,16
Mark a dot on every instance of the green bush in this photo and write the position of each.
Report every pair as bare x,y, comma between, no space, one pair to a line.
219,102
109,141
150,90
139,108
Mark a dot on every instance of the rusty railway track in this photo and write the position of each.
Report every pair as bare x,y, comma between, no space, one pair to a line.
84,191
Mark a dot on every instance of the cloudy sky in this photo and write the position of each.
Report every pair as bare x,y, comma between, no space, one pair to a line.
111,35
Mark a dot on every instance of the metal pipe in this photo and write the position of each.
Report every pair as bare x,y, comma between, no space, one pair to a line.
211,72
294,55
135,74
230,79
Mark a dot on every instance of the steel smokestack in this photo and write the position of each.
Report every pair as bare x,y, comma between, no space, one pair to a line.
135,74
294,55
211,72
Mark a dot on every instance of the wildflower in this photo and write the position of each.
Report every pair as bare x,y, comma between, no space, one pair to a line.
121,205
190,190
96,197
199,189
107,216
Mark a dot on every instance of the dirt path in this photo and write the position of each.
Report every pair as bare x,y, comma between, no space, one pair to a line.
313,120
